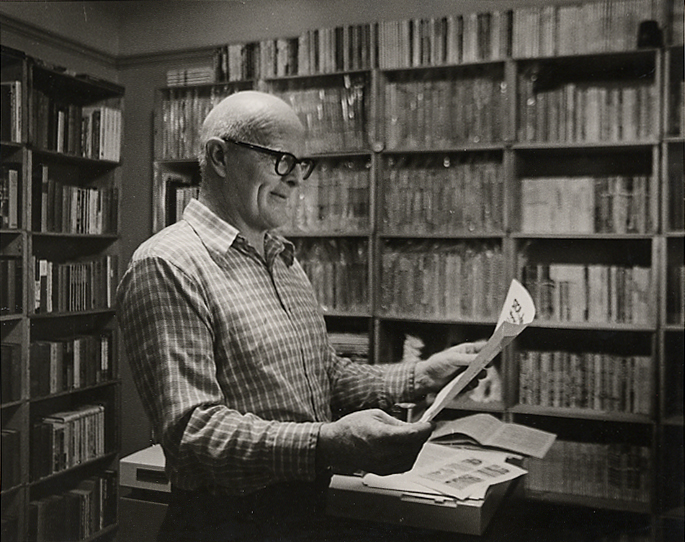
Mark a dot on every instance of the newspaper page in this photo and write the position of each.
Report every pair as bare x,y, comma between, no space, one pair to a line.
430,457
466,474
517,312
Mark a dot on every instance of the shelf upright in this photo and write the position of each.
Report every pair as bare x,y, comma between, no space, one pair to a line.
14,322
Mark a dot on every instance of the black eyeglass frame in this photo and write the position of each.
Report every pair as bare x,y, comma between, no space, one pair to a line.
282,157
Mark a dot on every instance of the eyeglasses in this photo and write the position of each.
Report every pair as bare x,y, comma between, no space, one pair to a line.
285,161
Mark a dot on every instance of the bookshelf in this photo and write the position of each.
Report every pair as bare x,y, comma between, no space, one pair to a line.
59,251
538,143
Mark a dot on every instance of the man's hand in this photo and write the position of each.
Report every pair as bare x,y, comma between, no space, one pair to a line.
432,374
372,441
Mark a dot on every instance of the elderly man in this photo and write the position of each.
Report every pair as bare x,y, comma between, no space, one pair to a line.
229,351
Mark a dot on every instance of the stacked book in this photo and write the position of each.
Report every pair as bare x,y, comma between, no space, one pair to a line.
70,363
461,108
63,440
338,270
443,194
335,118
351,345
438,279
64,208
608,471
455,39
588,380
592,27
190,76
591,293
11,122
77,514
74,286
10,210
586,112
616,204
335,198
88,131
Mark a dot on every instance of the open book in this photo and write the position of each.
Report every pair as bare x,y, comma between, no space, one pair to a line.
517,312
486,430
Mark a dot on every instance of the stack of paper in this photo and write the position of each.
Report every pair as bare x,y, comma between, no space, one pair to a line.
462,473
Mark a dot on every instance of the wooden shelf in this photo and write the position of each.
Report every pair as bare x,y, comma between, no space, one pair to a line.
107,457
582,413
72,92
590,502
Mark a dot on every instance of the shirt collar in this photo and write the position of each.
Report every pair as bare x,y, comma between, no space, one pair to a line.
219,235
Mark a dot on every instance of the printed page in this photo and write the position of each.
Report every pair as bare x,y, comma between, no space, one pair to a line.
489,431
517,312
522,439
479,427
430,456
467,473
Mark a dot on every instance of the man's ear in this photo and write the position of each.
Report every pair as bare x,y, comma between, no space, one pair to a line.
216,156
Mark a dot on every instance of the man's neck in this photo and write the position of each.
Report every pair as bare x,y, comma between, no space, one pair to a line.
254,238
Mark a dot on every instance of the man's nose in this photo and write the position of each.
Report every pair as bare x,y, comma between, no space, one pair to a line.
294,178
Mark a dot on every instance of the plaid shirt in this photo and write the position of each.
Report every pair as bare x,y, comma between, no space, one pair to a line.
231,359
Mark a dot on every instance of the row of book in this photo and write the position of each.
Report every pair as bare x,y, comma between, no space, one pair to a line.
323,50
614,471
236,62
334,118
589,380
89,131
11,281
11,365
437,41
338,270
354,346
65,439
440,113
587,112
70,363
198,75
335,197
616,204
581,28
439,279
10,202
182,113
11,122
591,293
77,514
63,208
74,286
443,194
10,455
610,25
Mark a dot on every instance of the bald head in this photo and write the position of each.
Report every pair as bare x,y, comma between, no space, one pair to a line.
250,116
